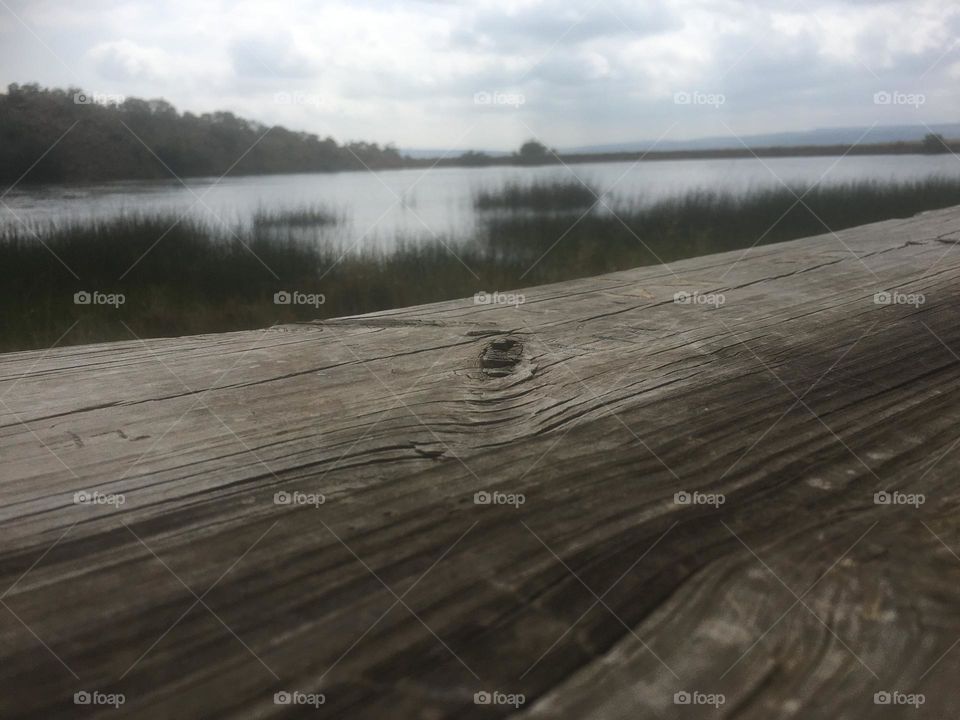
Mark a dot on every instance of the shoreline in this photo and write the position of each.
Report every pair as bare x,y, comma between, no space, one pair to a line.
878,150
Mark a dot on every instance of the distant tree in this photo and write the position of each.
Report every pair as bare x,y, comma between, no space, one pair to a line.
162,107
533,153
934,143
472,157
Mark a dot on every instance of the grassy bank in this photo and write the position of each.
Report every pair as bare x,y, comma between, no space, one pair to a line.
204,278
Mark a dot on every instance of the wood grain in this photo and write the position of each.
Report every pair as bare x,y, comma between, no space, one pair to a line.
599,595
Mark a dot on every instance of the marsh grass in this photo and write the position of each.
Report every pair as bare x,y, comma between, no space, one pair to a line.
540,195
189,277
700,223
297,217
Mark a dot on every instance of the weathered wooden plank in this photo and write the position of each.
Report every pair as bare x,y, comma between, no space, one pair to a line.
597,400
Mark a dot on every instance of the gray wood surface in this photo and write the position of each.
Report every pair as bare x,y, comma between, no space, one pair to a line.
599,595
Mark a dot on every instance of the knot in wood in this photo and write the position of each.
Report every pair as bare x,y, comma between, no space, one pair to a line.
501,356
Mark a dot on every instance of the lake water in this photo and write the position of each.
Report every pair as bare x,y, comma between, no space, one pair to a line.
378,207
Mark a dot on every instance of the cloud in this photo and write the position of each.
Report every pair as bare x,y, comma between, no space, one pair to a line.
275,56
590,72
126,60
574,68
542,24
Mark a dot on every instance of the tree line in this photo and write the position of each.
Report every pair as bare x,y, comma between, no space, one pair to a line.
96,139
135,139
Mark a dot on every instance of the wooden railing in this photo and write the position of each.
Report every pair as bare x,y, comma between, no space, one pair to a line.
731,481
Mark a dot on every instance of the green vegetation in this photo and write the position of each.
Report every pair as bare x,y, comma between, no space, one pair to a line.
533,152
935,144
136,139
700,223
301,217
206,278
80,138
540,195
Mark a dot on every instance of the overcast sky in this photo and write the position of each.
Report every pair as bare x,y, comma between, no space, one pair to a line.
490,74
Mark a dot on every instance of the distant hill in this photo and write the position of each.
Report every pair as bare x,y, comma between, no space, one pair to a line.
55,135
819,137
